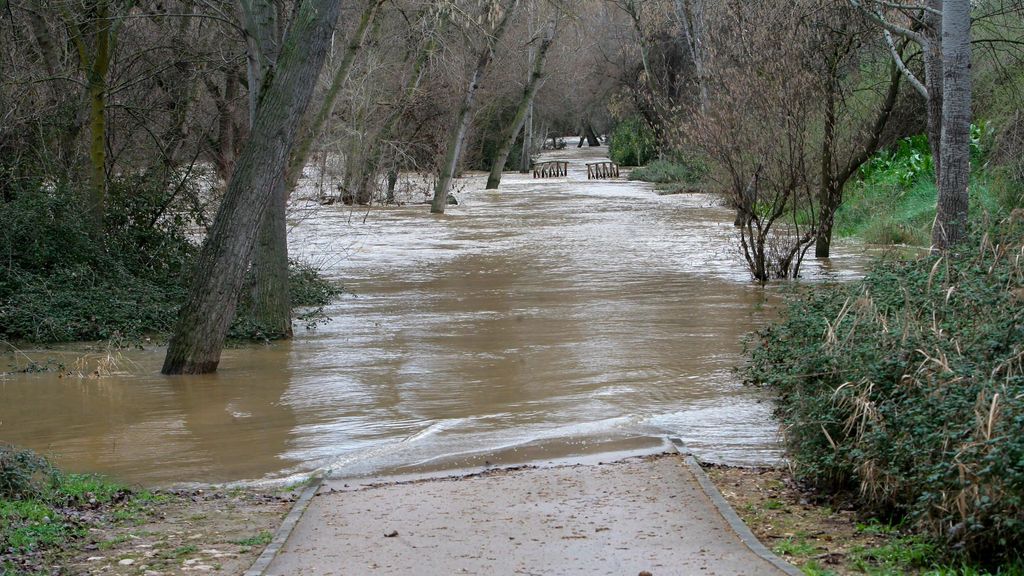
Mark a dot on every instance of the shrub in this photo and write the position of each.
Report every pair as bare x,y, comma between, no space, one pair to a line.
59,284
23,473
908,389
632,143
688,171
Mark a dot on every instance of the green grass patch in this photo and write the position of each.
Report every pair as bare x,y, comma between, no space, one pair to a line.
900,556
45,512
794,547
261,539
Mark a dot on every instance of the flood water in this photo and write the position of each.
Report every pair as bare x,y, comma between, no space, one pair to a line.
552,319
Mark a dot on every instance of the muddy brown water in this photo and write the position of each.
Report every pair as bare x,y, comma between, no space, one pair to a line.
553,319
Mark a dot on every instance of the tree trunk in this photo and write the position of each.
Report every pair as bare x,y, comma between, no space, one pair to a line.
827,196
219,276
508,139
259,18
270,301
316,125
833,193
527,157
271,294
98,114
954,178
690,14
933,79
462,118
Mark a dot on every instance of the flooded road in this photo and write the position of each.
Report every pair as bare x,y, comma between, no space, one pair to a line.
551,319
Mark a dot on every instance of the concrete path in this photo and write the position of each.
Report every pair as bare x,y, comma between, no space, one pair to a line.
646,514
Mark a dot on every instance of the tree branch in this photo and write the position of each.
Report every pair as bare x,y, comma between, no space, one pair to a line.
898,59
895,29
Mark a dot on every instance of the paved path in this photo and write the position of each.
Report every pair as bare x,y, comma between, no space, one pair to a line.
642,514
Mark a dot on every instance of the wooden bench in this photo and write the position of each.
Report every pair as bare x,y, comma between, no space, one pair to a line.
599,170
551,168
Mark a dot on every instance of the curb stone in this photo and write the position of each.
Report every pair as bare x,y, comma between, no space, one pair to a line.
262,562
730,515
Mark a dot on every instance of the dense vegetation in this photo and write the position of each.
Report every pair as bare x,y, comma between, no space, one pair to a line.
60,283
893,200
907,389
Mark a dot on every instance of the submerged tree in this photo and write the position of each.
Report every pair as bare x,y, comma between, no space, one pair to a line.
220,274
494,20
508,136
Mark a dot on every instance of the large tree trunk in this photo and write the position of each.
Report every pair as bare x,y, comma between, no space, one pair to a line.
271,300
462,118
508,138
219,276
827,196
97,88
954,178
271,295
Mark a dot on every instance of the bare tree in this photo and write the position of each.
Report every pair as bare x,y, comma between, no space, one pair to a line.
495,18
508,136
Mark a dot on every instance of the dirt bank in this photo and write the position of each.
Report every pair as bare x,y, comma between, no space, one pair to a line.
179,532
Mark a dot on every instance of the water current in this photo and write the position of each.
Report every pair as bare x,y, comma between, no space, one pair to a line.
553,319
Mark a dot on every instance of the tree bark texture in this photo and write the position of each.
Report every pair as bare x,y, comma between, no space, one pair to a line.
270,301
954,178
834,179
690,14
464,115
508,138
204,319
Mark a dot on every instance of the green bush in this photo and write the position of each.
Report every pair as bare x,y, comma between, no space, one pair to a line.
689,171
23,473
632,143
907,389
59,283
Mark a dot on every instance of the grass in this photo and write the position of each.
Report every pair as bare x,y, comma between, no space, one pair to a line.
261,539
794,547
898,556
45,512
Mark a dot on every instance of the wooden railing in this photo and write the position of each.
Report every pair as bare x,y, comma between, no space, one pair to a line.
599,170
551,168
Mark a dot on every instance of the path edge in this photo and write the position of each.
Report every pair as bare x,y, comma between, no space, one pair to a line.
259,567
729,514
